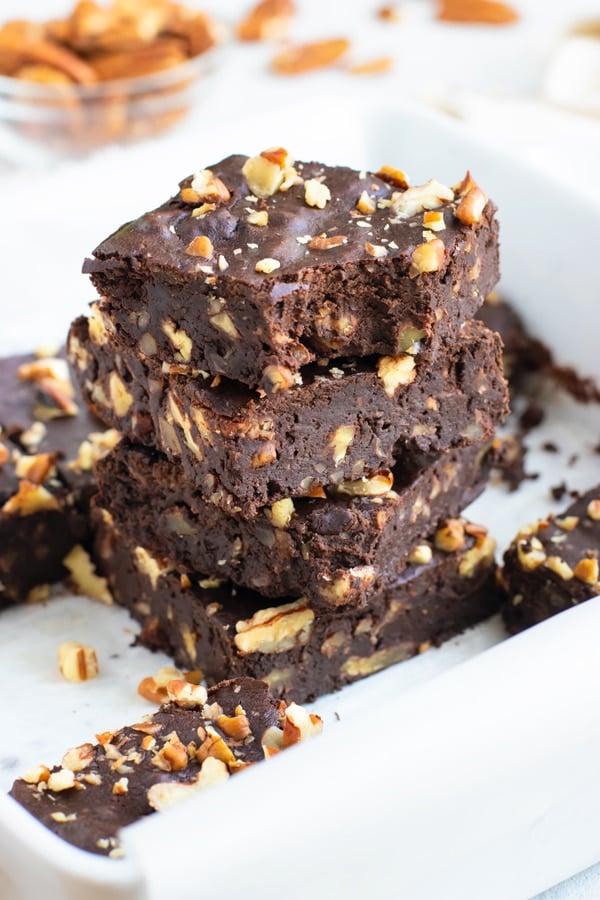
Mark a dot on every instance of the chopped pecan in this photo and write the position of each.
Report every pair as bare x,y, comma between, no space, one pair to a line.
267,265
308,57
322,242
395,371
470,209
77,662
267,20
200,246
269,172
376,66
481,12
208,188
374,486
427,257
276,629
316,193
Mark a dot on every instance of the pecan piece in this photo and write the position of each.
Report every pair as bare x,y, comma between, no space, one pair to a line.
308,57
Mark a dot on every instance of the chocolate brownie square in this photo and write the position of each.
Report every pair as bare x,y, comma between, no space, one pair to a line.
245,451
336,550
301,652
257,267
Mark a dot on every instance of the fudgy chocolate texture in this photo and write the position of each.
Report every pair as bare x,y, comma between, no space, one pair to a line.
243,451
190,743
218,314
337,550
299,651
48,442
522,353
553,565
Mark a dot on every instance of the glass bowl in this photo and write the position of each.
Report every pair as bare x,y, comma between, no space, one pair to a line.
41,121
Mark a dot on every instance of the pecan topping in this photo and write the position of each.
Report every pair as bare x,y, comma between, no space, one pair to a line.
321,242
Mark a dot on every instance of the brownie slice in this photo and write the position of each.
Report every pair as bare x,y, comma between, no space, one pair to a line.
299,651
255,267
244,451
553,565
337,550
48,443
193,742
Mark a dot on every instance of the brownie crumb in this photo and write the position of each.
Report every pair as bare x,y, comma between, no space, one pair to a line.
585,390
558,491
532,416
550,447
572,459
510,462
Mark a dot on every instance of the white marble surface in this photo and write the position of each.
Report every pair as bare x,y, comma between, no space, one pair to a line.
496,80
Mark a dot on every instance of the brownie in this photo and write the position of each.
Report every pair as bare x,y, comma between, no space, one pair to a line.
522,353
244,451
336,550
553,565
244,276
299,651
190,743
48,442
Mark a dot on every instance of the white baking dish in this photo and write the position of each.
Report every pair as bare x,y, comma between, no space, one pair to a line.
468,772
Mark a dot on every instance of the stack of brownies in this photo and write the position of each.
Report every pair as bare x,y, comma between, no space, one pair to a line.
308,405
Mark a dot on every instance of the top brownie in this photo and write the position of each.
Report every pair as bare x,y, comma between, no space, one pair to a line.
257,267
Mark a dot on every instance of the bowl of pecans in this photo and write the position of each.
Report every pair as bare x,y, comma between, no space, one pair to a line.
102,74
